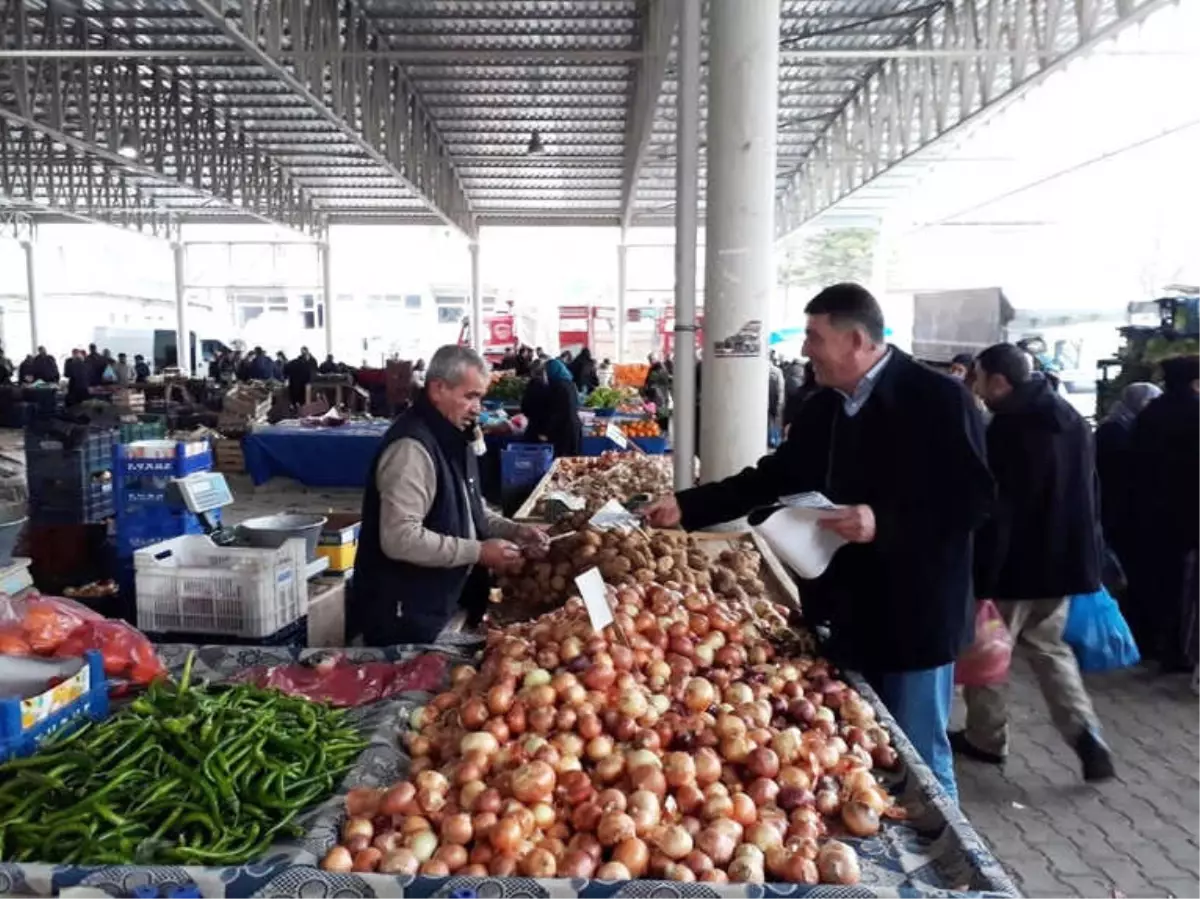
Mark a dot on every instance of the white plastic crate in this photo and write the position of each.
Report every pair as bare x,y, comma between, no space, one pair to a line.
191,585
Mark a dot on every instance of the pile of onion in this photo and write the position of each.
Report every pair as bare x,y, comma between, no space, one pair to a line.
686,751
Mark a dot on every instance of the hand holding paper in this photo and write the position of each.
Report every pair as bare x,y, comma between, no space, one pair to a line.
854,524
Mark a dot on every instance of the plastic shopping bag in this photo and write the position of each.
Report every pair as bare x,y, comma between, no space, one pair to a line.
1097,631
986,661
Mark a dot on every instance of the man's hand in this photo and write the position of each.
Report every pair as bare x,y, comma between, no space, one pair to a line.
855,524
664,512
498,554
534,541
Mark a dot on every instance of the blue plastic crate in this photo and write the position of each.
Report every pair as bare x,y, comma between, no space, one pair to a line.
65,503
129,467
150,526
524,464
26,724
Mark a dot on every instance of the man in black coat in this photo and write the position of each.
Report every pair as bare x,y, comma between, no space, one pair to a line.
1164,446
1040,547
900,448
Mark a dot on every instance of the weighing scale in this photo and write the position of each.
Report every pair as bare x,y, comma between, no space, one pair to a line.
202,494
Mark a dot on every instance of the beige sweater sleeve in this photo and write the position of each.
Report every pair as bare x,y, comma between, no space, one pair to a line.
407,483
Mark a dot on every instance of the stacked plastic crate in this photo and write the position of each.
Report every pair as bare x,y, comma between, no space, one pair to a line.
141,472
69,473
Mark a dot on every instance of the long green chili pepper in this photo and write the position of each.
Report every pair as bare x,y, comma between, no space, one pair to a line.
187,772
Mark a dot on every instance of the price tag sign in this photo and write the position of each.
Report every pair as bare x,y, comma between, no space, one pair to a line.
616,435
595,598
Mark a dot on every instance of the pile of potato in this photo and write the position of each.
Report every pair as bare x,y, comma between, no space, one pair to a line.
612,475
670,558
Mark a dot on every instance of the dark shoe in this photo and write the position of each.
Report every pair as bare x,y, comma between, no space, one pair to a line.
962,746
1096,758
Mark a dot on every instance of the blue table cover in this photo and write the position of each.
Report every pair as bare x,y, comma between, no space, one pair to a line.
316,457
935,852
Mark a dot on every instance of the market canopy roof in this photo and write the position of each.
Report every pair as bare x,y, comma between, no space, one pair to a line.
148,113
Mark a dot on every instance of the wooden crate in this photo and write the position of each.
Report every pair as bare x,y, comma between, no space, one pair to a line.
228,457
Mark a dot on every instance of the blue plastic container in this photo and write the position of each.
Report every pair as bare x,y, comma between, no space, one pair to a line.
142,518
129,466
522,465
67,502
26,724
653,446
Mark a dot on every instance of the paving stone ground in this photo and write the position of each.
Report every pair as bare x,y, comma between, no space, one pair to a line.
1058,836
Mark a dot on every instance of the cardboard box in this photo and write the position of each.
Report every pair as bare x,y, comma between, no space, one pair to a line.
228,457
327,612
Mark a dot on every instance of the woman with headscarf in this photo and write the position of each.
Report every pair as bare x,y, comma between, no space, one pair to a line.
551,404
1117,474
583,371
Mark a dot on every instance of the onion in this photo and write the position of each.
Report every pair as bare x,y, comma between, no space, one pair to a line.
474,713
599,747
458,830
708,767
763,762
479,741
698,694
434,868
586,818
452,855
745,870
577,864
613,871
398,861
828,802
717,843
586,842
338,860
634,854
743,811
538,863
647,778
763,835
422,844
837,863
615,827
860,819
500,699
679,769
364,802
358,826
505,836
645,810
674,842
533,782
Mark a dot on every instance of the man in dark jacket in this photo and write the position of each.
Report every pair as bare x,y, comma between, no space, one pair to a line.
583,370
898,597
427,538
78,375
1165,510
45,368
1040,547
300,373
141,370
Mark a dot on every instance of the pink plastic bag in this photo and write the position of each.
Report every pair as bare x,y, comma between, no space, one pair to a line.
986,661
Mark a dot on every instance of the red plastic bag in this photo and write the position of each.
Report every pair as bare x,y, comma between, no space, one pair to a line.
127,653
986,661
44,621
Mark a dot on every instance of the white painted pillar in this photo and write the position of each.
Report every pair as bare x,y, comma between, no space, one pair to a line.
326,292
477,338
743,58
687,177
622,304
31,291
183,346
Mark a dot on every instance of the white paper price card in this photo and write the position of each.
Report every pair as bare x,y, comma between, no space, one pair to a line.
616,435
595,598
569,500
612,516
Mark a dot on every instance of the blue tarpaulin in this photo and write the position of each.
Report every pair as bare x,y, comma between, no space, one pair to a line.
316,457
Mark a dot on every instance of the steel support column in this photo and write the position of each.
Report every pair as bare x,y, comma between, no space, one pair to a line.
31,291
183,346
477,338
326,292
659,18
743,53
687,188
622,298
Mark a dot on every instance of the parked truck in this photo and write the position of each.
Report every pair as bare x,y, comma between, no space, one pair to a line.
158,347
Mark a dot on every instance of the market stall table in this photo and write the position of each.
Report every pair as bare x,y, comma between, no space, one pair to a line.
934,852
316,457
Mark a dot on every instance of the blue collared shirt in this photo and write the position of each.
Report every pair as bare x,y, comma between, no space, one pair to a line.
853,402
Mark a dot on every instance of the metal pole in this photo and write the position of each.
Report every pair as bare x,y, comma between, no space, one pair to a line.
621,299
183,347
31,292
327,292
477,340
739,276
687,176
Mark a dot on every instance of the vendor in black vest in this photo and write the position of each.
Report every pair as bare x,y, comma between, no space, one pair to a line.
900,448
427,540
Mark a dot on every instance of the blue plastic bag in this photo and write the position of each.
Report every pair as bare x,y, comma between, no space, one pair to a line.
1097,631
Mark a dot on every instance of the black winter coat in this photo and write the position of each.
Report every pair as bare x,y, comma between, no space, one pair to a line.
1165,450
1044,539
553,412
915,454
